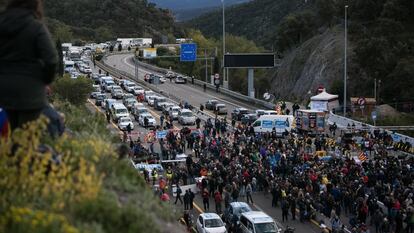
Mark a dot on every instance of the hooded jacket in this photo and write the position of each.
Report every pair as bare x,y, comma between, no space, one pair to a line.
27,60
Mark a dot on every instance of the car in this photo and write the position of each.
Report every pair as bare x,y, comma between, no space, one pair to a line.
165,106
158,101
180,79
174,111
97,88
220,109
270,112
148,93
238,113
123,123
129,87
186,117
127,96
100,99
170,75
235,209
211,104
163,80
74,74
118,110
210,222
107,86
138,111
137,90
259,112
129,103
257,221
117,94
87,69
249,118
151,120
151,100
94,94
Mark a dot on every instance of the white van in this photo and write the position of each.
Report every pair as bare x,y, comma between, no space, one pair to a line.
119,110
105,78
257,222
266,123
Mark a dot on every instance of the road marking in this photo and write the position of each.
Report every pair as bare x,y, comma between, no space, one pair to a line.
112,123
198,208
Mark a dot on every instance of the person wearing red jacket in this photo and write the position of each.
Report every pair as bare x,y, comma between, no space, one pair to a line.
218,200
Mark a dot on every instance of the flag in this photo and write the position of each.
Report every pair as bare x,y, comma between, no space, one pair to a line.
362,157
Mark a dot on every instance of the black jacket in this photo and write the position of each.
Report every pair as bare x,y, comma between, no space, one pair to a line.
27,60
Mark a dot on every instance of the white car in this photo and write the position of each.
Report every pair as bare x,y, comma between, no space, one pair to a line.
210,223
151,100
87,70
174,111
129,86
186,117
148,94
137,90
151,119
123,123
137,112
128,96
129,103
117,94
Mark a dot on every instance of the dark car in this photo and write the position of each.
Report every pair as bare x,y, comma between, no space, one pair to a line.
100,99
238,113
249,118
235,208
211,104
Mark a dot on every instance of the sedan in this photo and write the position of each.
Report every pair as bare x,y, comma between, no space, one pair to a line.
211,104
238,113
123,123
151,120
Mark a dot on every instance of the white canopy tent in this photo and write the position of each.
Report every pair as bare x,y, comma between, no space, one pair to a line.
324,101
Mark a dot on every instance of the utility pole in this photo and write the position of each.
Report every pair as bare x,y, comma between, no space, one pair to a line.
345,62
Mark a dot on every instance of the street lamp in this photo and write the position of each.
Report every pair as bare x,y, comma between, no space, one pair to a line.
225,82
345,58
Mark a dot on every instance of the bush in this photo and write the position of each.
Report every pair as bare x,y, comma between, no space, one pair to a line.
75,91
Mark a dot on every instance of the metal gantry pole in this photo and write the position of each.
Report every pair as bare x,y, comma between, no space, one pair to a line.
225,82
345,58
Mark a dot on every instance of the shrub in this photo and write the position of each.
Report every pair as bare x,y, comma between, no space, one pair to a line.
75,91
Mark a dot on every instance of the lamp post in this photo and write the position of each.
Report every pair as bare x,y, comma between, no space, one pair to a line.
225,82
345,58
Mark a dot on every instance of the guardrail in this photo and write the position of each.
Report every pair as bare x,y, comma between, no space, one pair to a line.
343,122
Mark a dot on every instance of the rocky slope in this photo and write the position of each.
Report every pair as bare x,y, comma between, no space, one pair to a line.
318,61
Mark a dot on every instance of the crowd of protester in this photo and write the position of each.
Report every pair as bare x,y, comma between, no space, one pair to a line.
319,175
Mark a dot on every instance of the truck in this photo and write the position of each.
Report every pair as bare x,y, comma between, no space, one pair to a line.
310,121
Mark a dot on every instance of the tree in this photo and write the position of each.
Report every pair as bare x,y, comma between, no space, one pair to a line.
103,34
63,32
75,91
60,55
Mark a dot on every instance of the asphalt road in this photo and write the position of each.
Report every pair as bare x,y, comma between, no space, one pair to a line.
192,94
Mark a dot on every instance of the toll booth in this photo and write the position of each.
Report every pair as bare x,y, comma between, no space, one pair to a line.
310,121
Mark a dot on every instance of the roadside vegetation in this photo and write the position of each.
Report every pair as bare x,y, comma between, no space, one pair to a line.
75,183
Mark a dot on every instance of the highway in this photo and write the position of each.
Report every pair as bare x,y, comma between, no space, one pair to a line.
195,96
192,94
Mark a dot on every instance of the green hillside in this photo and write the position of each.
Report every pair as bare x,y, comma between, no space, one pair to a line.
381,41
104,20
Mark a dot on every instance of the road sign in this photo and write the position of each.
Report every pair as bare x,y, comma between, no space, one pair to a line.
161,134
188,52
374,115
361,101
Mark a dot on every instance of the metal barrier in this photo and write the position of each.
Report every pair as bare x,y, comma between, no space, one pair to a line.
343,122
